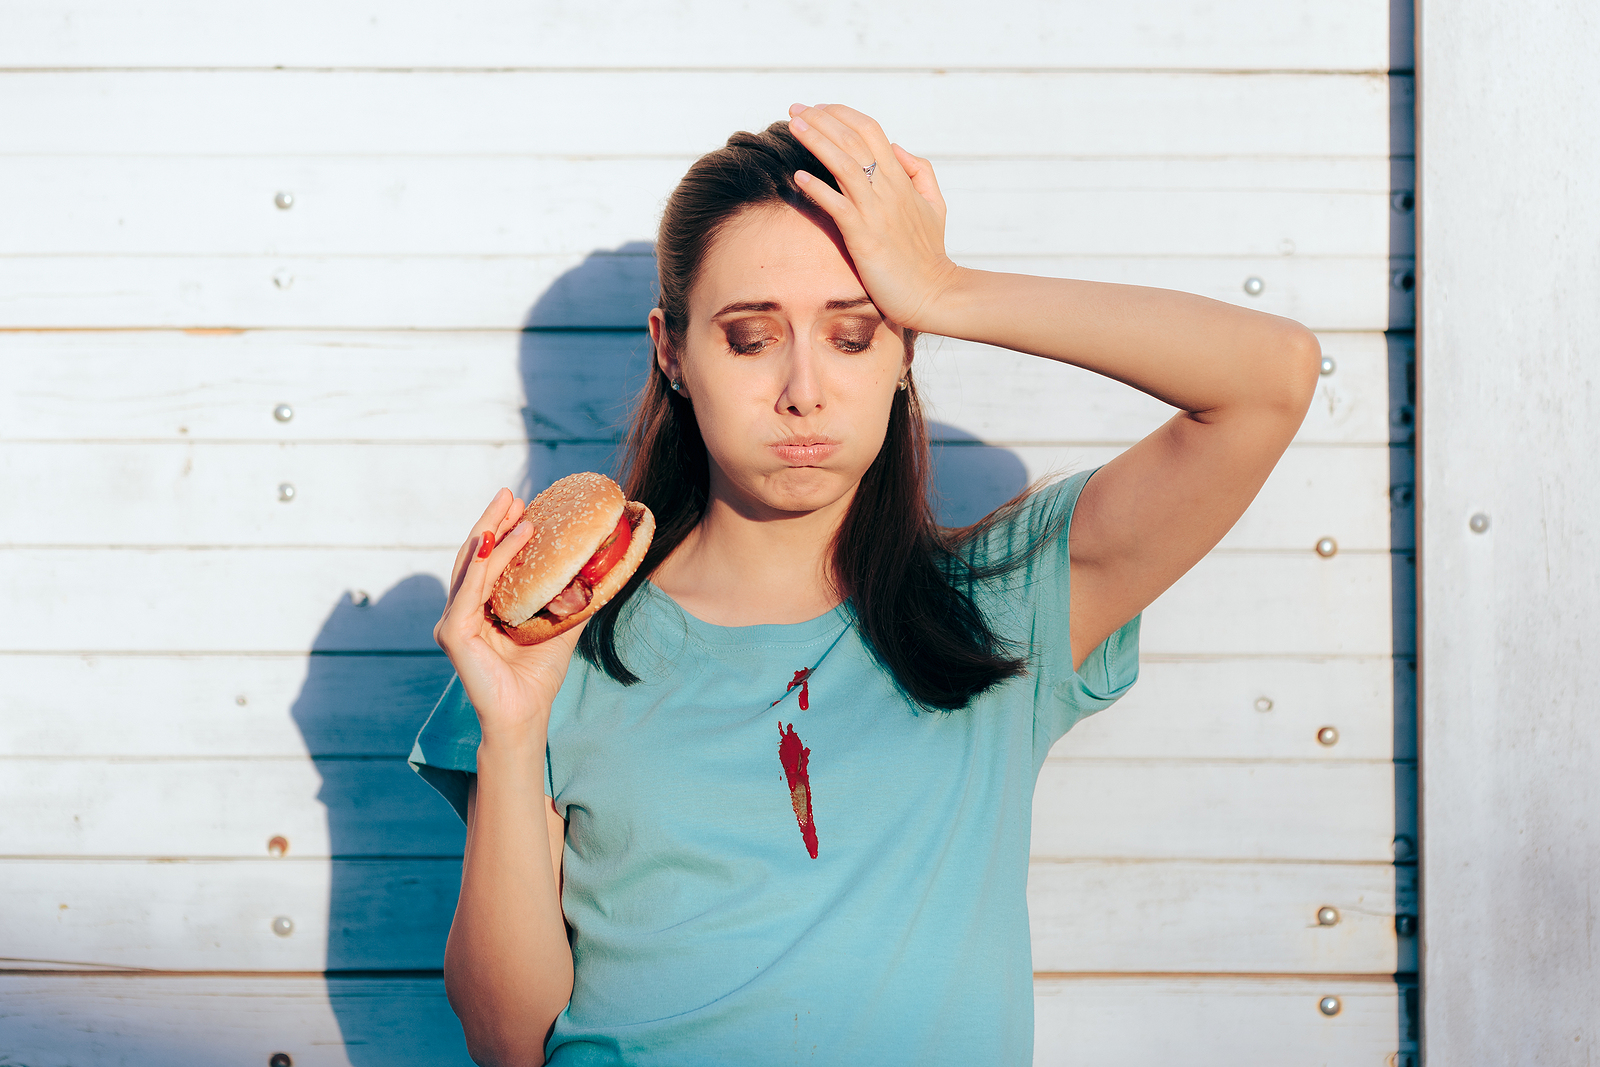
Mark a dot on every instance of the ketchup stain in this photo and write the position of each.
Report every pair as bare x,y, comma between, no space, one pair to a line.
801,679
795,757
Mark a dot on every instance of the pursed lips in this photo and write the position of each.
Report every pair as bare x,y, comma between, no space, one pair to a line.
805,452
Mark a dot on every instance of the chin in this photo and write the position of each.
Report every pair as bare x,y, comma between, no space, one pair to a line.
803,489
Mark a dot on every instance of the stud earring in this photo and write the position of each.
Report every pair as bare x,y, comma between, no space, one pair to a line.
901,385
677,385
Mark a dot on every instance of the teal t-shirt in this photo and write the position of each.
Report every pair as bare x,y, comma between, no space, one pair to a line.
758,872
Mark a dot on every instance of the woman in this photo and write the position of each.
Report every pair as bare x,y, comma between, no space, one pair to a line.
782,797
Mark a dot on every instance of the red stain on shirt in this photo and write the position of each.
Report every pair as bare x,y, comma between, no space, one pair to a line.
800,679
795,757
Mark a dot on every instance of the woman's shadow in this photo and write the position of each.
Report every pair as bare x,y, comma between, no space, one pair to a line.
374,674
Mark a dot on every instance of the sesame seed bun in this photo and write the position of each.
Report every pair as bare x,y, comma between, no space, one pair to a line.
570,521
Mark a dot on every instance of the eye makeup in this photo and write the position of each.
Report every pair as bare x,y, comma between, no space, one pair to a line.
753,335
854,335
749,336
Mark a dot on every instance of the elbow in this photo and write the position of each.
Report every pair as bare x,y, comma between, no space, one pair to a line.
490,1045
500,1034
1295,359
489,1053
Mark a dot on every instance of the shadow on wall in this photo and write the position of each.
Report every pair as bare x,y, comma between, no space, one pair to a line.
396,848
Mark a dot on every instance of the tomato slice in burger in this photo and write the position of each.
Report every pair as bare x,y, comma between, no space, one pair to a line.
609,553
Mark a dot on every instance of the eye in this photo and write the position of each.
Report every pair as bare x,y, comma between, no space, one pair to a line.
749,338
853,342
854,336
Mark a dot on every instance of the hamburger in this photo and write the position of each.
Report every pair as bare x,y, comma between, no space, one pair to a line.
588,539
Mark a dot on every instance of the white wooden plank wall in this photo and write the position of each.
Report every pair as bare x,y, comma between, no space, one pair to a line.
453,302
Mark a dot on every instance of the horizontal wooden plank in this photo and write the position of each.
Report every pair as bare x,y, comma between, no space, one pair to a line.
1256,708
192,1021
1002,396
68,1020
1313,492
939,114
1188,809
1189,34
1221,1022
429,494
210,809
197,706
143,205
217,915
1288,605
474,386
394,914
290,600
602,290
1217,917
357,705
1083,809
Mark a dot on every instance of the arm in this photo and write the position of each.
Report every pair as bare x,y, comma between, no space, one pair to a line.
1242,379
507,964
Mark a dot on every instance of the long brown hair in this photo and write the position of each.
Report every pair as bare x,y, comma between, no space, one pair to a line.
903,577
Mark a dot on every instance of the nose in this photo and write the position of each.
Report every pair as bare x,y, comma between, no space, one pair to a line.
801,394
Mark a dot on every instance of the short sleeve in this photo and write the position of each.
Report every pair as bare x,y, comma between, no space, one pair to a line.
446,750
1029,604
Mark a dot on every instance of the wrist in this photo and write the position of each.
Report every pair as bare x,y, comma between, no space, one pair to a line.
513,746
945,312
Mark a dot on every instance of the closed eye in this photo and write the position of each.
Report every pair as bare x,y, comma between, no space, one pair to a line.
748,337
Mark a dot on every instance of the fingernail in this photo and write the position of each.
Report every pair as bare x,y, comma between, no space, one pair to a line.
801,177
518,528
487,546
799,123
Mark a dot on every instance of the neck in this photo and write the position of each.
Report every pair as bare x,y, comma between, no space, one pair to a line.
741,568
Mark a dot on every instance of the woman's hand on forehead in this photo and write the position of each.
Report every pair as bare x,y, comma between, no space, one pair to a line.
889,211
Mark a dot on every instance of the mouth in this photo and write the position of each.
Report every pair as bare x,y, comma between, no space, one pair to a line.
805,451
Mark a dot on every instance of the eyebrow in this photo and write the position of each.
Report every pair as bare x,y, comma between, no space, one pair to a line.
771,305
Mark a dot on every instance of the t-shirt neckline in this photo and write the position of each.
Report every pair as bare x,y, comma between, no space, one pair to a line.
788,633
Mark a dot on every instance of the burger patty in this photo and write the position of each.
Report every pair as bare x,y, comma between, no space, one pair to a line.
571,600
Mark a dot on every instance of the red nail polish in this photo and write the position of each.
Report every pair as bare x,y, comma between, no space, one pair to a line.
487,546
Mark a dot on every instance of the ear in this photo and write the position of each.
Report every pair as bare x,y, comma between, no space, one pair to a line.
909,339
666,358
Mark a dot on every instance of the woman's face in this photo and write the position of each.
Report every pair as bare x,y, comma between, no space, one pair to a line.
790,368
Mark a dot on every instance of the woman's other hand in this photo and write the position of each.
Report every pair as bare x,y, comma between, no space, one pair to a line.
510,685
892,221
